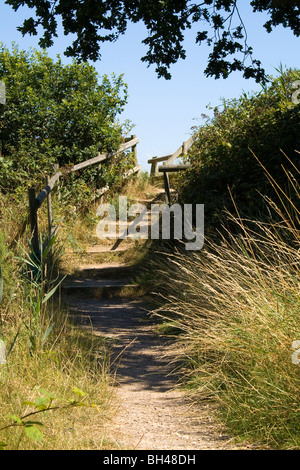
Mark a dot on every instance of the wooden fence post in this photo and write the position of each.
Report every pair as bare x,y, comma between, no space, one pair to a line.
2,352
49,207
33,222
167,187
184,151
153,167
134,150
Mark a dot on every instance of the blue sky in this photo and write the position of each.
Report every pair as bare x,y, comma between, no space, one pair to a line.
165,111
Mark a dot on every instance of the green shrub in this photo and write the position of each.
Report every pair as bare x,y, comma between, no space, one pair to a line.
265,124
55,114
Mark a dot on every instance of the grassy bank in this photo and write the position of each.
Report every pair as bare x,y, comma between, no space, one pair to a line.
55,385
235,309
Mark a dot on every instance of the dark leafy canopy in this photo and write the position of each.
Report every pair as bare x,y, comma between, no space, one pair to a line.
222,27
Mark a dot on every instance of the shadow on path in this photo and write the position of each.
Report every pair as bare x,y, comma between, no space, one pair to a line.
140,356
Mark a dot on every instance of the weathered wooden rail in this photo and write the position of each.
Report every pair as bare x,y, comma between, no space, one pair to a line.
167,166
35,202
170,169
169,159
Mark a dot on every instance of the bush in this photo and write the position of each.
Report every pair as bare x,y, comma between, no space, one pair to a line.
54,114
227,150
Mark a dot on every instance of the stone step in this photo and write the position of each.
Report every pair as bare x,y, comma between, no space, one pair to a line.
104,271
100,288
103,249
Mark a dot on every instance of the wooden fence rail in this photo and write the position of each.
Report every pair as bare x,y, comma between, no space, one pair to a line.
167,166
169,159
35,202
170,169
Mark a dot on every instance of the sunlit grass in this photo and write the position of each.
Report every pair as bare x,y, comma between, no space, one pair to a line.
46,352
237,304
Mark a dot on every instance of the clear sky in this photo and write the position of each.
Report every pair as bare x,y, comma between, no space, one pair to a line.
164,111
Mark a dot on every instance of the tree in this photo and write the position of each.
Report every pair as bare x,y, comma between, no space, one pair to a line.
94,22
54,113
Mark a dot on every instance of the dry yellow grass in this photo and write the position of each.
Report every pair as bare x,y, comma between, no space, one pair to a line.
237,304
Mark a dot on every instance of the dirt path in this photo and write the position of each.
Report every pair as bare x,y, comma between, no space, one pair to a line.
153,414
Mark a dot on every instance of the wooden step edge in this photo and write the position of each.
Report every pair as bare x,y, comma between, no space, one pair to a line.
95,283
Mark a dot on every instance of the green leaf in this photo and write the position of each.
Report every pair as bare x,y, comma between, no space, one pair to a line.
2,445
49,246
15,419
47,332
42,403
79,392
33,432
28,403
50,293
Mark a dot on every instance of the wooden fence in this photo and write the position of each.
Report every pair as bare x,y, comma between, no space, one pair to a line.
168,167
35,202
169,159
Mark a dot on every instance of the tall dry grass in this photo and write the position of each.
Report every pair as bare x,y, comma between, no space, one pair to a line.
237,306
46,356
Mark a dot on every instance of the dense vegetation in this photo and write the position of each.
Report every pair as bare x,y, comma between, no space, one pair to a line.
222,26
236,303
57,114
54,390
244,136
